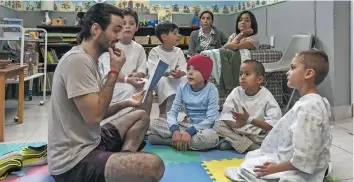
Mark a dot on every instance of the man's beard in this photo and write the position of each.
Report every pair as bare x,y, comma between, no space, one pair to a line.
102,43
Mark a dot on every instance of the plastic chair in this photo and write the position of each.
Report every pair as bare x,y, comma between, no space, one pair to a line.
297,44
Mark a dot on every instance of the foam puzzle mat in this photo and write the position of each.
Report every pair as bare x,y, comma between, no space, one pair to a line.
180,166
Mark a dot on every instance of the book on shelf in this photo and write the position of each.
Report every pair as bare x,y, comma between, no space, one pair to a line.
52,57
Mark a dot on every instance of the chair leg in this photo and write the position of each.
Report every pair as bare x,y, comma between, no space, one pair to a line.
289,102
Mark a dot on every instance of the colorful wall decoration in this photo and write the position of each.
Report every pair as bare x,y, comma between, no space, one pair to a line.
146,6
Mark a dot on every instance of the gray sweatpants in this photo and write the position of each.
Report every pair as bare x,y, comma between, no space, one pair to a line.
202,140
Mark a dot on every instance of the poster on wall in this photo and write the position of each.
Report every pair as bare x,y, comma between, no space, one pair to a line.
191,7
164,15
72,6
140,6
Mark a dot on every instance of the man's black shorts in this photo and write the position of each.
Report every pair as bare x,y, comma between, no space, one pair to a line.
91,168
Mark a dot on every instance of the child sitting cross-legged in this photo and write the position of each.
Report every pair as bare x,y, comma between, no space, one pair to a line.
168,34
298,146
200,100
249,112
130,78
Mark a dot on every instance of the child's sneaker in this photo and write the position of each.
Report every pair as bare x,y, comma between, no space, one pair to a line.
224,145
10,162
34,156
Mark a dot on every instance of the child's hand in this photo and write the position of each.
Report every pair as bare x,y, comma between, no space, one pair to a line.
176,139
239,116
185,141
136,82
166,74
134,74
266,169
177,73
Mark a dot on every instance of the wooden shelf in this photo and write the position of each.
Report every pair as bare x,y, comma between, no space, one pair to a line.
58,44
60,28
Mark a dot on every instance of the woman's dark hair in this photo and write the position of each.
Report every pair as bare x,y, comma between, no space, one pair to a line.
99,13
210,13
254,24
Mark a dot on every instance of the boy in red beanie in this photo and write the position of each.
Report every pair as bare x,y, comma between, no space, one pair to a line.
200,100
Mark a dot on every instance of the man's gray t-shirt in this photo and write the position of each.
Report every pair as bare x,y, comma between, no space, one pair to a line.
70,138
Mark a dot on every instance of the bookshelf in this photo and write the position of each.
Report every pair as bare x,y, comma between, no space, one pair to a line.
62,38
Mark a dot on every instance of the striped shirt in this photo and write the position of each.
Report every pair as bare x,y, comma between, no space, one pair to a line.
205,39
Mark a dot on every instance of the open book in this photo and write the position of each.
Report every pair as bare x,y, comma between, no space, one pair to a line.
155,77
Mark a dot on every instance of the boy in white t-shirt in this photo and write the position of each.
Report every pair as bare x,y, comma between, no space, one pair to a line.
134,69
249,112
166,89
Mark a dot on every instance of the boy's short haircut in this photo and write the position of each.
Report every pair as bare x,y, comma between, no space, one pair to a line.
258,66
133,13
316,60
164,28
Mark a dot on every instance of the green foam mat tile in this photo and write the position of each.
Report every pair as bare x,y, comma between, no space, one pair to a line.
172,156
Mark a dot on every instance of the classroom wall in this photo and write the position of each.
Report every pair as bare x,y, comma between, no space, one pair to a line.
6,12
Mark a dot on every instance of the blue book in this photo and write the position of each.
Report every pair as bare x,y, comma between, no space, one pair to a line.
155,77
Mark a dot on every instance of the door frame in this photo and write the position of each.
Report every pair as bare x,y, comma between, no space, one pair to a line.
351,50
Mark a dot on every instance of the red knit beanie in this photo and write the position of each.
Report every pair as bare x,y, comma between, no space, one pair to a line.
203,63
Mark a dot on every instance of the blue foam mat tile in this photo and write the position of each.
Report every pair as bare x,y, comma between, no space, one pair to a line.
10,147
149,146
219,155
185,172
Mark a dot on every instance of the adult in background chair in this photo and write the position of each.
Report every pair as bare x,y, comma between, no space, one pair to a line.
246,33
207,37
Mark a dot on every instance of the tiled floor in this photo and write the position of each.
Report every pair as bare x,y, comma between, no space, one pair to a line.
34,129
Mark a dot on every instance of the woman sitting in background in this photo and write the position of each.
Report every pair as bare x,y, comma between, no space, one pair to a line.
207,37
227,60
246,33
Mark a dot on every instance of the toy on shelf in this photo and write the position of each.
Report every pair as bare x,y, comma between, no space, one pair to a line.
195,20
164,15
143,23
152,23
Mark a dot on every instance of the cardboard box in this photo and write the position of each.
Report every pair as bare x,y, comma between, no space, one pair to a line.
142,39
58,22
154,40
